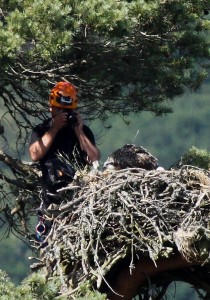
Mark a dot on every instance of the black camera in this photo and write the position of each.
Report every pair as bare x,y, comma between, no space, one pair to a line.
72,118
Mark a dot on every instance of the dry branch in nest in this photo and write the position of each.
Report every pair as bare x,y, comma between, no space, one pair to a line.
106,217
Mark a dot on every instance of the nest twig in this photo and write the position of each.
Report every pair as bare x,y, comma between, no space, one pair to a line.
129,212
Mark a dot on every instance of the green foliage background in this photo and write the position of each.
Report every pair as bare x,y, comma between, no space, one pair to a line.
14,257
167,137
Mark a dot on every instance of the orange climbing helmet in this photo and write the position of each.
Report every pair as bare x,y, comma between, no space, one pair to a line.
64,95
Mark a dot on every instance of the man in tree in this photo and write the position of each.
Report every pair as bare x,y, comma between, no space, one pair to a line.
62,137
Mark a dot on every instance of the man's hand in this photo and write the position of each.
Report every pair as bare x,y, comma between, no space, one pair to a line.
59,120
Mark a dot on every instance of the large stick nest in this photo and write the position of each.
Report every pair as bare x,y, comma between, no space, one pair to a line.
105,217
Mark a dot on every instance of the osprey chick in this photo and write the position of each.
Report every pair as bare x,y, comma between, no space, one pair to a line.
131,156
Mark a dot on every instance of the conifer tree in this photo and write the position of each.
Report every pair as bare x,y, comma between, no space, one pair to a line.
122,55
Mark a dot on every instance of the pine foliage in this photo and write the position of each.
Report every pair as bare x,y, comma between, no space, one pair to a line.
197,157
35,287
122,55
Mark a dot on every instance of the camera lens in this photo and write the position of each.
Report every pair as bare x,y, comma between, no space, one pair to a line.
72,118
